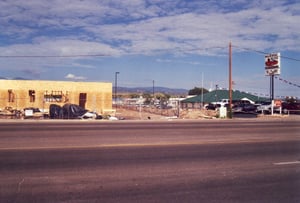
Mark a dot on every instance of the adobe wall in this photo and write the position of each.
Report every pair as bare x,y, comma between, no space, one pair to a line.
98,95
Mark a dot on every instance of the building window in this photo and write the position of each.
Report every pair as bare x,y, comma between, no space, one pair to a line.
32,95
53,96
11,96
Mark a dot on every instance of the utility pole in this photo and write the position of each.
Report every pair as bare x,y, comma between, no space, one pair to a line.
230,81
202,92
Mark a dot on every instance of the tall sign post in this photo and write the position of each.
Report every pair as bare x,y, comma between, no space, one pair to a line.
272,68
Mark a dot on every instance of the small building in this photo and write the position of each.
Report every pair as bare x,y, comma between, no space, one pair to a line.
20,94
216,95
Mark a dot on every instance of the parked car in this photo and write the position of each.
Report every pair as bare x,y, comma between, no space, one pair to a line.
244,108
264,107
221,102
292,107
212,106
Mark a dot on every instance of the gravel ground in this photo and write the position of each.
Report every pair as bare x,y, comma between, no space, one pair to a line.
190,114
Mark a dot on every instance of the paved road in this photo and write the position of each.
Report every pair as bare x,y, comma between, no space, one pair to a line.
213,161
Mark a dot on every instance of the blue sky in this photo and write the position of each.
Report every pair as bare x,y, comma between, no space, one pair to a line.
173,42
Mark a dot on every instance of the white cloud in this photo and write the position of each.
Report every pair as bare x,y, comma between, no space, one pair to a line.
59,47
139,27
74,77
42,50
142,27
253,28
196,63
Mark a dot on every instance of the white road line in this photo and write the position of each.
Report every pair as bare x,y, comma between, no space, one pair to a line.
20,183
287,163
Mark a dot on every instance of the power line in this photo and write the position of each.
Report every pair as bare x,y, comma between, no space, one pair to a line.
94,55
287,82
54,56
107,55
265,53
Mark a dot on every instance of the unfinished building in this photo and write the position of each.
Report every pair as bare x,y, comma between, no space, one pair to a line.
20,94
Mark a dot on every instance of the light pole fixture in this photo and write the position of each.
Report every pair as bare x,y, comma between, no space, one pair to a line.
116,87
216,93
153,93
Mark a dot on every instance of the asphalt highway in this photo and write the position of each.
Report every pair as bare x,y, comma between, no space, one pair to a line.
194,161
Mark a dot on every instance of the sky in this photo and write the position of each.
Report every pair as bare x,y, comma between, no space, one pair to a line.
175,43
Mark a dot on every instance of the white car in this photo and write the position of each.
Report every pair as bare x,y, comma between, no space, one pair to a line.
265,107
221,102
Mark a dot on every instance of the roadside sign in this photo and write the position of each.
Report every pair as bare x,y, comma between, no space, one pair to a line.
28,112
272,64
277,103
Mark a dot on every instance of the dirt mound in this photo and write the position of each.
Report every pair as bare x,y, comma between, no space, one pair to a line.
197,114
128,114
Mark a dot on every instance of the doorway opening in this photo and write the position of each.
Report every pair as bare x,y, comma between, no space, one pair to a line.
82,99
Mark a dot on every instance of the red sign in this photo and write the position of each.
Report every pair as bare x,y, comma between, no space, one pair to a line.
277,103
270,63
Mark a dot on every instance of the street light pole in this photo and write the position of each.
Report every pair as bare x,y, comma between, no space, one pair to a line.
153,88
116,87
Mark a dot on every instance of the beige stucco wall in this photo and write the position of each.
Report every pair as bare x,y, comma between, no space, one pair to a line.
99,94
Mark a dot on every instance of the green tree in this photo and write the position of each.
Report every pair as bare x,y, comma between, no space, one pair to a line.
134,95
147,97
162,96
197,91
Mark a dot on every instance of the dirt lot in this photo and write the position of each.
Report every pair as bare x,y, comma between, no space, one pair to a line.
159,114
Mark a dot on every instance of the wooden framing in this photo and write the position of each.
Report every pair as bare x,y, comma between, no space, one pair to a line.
20,94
